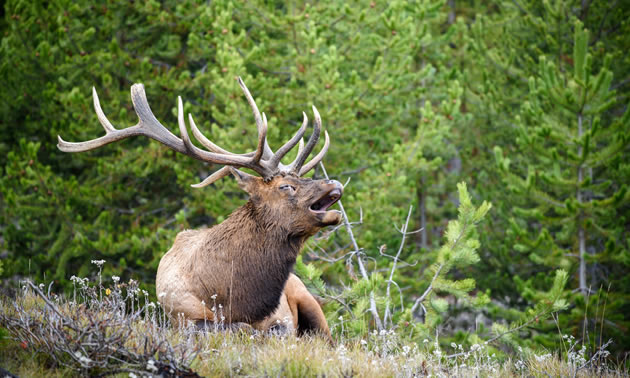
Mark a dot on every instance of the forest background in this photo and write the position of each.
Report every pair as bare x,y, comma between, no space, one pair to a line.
524,101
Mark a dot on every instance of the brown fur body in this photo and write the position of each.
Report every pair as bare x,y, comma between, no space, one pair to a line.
244,263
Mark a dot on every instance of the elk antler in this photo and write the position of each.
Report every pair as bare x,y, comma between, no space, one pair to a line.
263,161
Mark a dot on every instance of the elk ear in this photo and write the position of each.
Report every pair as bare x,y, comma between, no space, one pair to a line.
245,180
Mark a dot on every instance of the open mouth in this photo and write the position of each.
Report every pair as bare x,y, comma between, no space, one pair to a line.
326,201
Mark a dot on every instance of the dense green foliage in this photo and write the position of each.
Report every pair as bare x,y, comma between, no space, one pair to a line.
526,102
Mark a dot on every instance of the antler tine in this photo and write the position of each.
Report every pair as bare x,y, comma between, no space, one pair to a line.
300,149
99,113
275,160
311,164
207,143
111,134
147,121
213,177
267,153
262,141
312,141
234,160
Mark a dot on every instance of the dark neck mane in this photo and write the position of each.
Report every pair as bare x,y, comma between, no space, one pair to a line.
260,254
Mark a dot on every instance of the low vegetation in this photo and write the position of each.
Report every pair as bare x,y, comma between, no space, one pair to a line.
114,329
109,327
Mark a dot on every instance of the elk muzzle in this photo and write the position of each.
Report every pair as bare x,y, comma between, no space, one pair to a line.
333,190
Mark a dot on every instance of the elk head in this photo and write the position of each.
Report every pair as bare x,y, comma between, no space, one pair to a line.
280,194
297,205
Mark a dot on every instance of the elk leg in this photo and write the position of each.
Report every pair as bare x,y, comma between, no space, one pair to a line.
187,307
311,318
307,312
281,321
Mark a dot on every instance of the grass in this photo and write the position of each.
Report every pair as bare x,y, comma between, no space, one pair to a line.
117,331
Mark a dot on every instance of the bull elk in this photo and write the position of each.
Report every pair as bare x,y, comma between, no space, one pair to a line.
243,264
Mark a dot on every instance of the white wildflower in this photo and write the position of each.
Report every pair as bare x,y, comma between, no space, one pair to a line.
83,360
542,357
213,297
98,263
363,342
116,279
151,366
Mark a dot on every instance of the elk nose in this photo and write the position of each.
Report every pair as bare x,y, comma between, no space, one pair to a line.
336,183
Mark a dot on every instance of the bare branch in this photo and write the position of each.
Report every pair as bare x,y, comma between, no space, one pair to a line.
362,270
391,273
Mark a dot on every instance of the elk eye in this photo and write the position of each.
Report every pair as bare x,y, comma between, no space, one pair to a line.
287,187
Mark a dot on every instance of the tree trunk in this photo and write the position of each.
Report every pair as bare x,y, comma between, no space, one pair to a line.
581,233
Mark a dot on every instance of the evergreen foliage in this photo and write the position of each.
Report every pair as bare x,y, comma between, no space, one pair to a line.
559,132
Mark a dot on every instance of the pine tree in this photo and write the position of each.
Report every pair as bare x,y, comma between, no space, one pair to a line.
569,150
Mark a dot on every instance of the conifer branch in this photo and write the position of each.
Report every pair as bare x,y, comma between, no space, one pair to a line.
437,273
